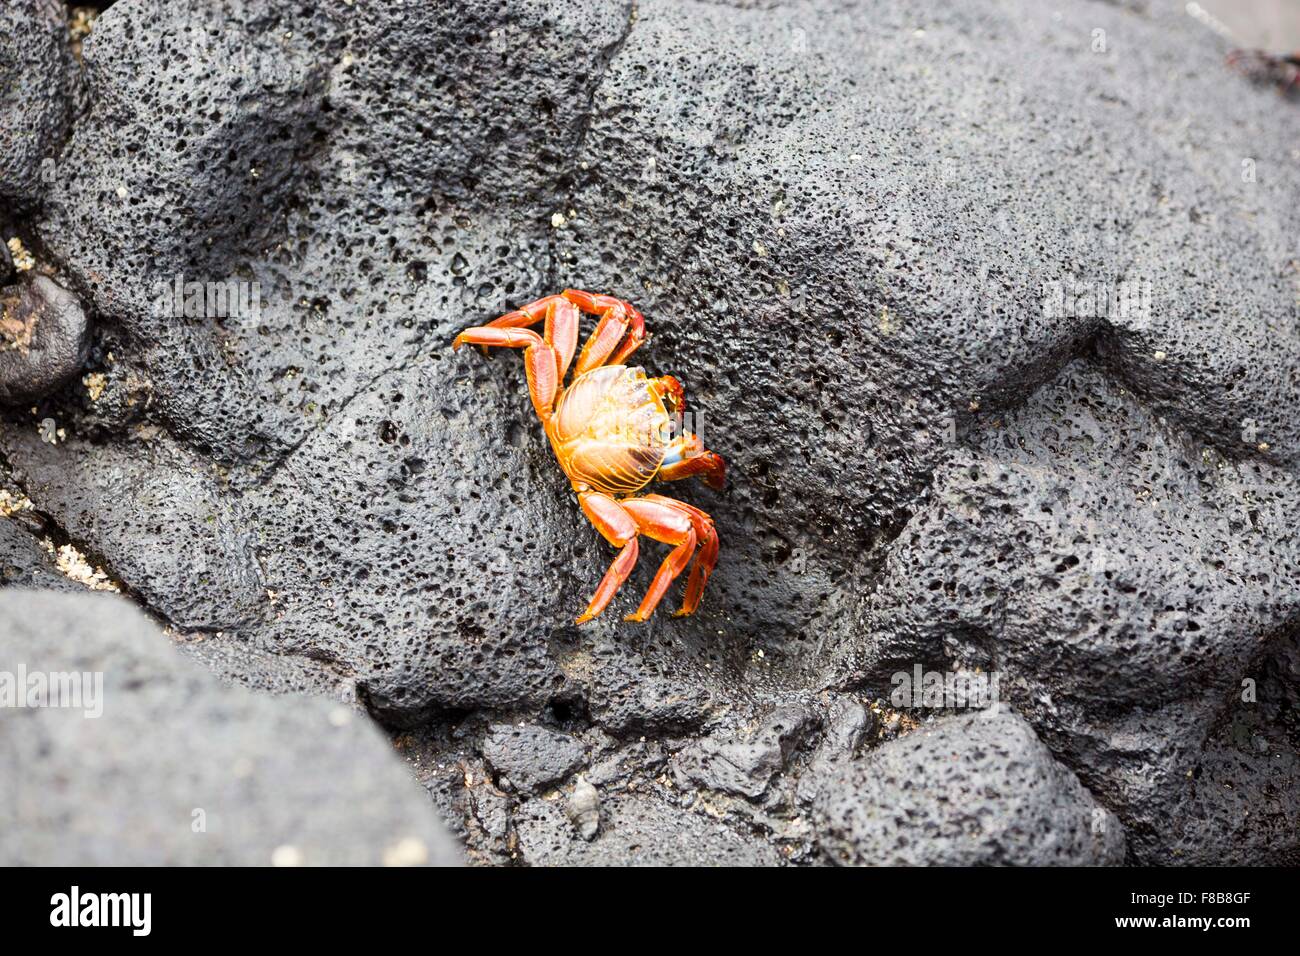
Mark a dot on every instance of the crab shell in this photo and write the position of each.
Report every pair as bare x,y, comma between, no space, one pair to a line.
612,430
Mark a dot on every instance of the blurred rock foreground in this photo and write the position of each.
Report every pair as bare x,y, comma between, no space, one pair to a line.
161,763
991,307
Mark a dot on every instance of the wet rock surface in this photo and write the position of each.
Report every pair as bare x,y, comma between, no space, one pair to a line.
161,764
845,228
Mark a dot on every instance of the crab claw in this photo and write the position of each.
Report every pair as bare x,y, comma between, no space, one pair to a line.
716,476
463,339
696,461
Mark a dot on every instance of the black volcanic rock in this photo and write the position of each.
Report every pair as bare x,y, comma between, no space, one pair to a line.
981,789
997,333
39,95
531,757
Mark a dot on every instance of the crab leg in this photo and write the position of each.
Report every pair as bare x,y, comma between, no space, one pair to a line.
620,530
609,332
540,360
526,315
705,559
562,333
561,330
671,526
616,316
636,336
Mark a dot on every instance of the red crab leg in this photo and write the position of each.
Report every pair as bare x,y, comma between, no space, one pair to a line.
540,362
593,302
609,332
618,528
525,315
561,332
615,318
671,526
636,336
705,559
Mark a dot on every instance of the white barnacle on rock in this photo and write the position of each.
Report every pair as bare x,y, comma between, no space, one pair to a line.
73,565
11,504
95,384
583,809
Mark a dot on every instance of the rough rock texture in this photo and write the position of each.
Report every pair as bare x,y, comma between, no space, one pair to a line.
638,831
38,94
745,765
848,725
135,503
995,326
24,563
628,695
1238,801
531,757
178,768
981,789
1108,633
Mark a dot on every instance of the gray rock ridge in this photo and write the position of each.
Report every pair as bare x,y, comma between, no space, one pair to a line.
40,93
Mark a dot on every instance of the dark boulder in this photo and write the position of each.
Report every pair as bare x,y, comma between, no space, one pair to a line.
44,338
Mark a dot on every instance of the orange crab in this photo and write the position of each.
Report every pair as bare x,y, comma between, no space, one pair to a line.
613,432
